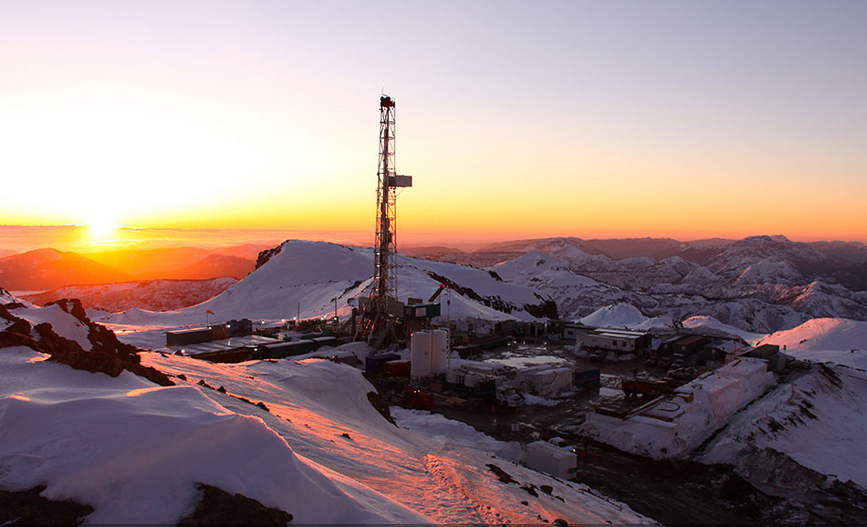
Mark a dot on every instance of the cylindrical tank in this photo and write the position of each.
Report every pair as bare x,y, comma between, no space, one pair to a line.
420,354
439,351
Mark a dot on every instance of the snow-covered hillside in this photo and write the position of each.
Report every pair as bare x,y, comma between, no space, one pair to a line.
760,284
822,334
153,295
817,420
306,278
302,437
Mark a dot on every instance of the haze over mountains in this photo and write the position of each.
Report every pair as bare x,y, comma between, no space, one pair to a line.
45,269
759,284
155,279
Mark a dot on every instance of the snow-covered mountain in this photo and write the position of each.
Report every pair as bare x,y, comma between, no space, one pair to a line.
44,269
814,420
153,295
306,279
299,437
759,284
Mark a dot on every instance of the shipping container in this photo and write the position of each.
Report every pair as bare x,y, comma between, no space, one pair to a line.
397,368
376,363
319,342
182,337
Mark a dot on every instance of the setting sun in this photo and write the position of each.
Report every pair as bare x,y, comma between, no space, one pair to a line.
101,225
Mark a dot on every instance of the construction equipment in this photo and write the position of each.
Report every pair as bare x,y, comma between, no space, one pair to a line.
437,293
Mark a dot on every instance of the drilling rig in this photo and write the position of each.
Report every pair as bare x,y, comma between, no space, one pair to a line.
382,311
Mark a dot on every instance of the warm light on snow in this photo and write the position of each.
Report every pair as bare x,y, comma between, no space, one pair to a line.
142,391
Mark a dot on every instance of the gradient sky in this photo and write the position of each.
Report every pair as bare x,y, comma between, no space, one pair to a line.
516,119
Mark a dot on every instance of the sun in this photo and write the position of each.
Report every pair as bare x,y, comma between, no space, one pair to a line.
101,225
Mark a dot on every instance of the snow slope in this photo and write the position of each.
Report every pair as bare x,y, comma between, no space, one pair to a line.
301,436
818,420
134,451
822,334
614,316
304,279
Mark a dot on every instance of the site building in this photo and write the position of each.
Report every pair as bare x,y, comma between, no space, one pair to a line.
607,338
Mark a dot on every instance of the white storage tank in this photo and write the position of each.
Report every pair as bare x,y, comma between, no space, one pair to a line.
439,351
420,355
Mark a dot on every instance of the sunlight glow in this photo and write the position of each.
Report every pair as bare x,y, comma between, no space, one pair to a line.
102,225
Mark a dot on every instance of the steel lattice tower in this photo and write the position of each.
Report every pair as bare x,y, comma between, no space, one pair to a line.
385,243
382,307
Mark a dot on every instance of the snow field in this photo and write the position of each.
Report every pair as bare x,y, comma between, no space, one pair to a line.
135,451
819,420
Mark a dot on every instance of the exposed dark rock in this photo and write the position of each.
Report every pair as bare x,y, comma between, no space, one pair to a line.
19,325
267,254
218,507
501,474
27,507
547,489
545,308
377,401
72,306
531,490
108,355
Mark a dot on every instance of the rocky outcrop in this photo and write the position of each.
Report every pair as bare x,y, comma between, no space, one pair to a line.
267,254
28,507
218,507
107,354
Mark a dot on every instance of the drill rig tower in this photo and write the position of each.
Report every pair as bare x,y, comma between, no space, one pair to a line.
382,308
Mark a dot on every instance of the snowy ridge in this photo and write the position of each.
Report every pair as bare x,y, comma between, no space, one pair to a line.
759,285
822,334
816,420
63,323
614,316
304,279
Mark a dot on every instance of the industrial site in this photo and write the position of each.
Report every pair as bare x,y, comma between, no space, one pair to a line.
569,263
567,398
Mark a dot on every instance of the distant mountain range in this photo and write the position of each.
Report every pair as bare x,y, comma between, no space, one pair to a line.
761,284
48,269
153,295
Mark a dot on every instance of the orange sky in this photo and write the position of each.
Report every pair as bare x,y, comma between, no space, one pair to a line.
573,119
